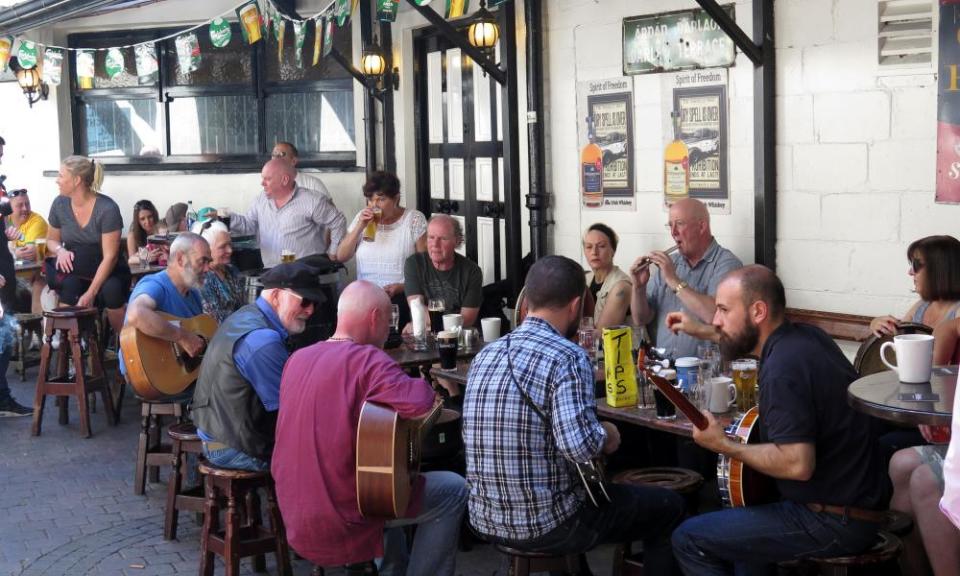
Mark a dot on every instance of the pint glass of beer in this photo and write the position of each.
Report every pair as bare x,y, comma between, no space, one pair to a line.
41,245
287,256
370,230
745,378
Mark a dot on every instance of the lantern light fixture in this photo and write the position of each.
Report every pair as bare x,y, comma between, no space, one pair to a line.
374,66
32,85
484,32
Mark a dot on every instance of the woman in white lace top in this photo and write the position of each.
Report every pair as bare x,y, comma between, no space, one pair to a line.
401,232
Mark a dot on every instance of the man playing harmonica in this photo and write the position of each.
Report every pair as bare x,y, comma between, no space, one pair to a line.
686,281
821,452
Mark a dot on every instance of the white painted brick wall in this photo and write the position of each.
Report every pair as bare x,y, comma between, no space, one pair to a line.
855,151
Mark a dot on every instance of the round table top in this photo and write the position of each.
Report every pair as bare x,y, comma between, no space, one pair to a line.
884,396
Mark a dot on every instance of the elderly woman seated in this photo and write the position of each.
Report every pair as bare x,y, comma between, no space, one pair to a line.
223,286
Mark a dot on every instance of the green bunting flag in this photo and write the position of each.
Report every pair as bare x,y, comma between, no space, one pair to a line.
188,53
343,13
86,68
456,8
52,66
317,39
220,33
327,37
387,10
113,64
27,55
145,55
6,44
279,30
249,16
299,37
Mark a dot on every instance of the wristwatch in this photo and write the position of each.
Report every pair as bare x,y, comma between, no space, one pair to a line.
680,286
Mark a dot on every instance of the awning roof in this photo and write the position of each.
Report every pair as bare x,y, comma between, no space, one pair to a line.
17,16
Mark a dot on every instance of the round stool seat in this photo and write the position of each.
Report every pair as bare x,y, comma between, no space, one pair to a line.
680,480
211,470
898,523
24,318
184,432
887,548
503,548
70,312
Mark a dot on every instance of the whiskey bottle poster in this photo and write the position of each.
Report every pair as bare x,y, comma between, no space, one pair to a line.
694,112
605,129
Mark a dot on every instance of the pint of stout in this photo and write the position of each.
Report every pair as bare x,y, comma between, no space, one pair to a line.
447,348
745,379
370,230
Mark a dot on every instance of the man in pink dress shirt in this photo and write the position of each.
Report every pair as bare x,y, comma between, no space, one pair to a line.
322,391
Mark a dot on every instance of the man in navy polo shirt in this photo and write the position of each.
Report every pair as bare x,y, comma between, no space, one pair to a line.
173,291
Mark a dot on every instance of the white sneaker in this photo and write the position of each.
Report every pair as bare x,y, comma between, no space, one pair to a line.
55,341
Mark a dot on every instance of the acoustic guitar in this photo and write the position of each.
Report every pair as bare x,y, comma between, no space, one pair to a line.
388,458
157,368
739,484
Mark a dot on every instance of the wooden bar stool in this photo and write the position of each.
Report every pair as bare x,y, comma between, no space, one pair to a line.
236,540
880,559
684,482
524,563
75,325
152,452
185,441
24,358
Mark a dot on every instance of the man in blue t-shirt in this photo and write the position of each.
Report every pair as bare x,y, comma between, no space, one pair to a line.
173,291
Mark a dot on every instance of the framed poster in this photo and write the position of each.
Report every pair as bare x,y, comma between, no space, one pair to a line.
948,105
606,139
696,126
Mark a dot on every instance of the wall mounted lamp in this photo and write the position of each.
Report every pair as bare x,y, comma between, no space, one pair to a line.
32,85
484,31
374,65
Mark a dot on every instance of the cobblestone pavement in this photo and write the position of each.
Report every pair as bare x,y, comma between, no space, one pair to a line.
67,505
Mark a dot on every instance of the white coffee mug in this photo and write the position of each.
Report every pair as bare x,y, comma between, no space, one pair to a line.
490,328
914,357
452,322
721,394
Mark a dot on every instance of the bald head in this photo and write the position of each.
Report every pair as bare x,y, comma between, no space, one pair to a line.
363,313
278,179
691,209
690,228
757,283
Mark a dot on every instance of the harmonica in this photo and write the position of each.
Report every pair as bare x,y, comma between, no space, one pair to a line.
645,262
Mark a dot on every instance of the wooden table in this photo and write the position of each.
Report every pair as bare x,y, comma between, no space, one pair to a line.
879,395
457,376
407,357
26,269
647,417
138,272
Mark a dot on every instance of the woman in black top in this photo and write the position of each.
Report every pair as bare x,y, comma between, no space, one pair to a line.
84,236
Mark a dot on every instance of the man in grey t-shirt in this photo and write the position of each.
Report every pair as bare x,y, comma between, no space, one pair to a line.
442,273
685,282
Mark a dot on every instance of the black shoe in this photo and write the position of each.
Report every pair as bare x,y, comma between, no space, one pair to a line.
10,408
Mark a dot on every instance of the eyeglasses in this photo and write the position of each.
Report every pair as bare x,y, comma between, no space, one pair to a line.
677,223
916,265
278,155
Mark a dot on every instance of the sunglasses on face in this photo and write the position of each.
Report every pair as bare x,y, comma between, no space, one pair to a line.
916,265
278,155
304,302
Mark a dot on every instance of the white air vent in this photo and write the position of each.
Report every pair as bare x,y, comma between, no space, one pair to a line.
905,38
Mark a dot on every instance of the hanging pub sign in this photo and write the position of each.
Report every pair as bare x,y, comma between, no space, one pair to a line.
52,66
675,41
27,55
387,10
948,104
249,16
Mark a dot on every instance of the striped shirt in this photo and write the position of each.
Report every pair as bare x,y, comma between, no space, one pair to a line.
300,225
521,480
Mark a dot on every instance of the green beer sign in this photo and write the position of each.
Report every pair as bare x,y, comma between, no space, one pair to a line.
675,41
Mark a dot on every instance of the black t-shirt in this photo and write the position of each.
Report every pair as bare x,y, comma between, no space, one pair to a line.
803,398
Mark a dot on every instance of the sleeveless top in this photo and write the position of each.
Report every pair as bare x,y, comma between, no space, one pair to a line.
922,309
381,261
615,276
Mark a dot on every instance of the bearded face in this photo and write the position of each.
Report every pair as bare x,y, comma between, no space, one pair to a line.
740,342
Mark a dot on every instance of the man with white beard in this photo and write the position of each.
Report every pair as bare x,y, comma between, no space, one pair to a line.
174,291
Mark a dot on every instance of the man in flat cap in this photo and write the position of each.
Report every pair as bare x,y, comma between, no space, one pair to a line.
238,392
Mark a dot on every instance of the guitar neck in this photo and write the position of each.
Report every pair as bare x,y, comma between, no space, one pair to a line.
677,398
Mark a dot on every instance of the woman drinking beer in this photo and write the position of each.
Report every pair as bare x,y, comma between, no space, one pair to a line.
381,247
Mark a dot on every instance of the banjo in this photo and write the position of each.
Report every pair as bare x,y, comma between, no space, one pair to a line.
739,484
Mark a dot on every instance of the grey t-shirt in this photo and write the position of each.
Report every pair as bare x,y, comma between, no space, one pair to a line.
703,278
460,286
105,218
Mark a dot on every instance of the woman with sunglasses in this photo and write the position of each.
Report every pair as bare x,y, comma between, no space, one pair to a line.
223,286
144,224
935,268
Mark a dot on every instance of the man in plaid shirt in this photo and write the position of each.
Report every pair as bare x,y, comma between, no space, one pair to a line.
520,452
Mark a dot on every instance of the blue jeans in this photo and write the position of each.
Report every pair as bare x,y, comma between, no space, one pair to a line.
746,541
634,513
434,550
235,459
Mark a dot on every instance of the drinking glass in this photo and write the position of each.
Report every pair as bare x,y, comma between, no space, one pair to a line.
395,317
745,377
436,307
588,342
144,255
